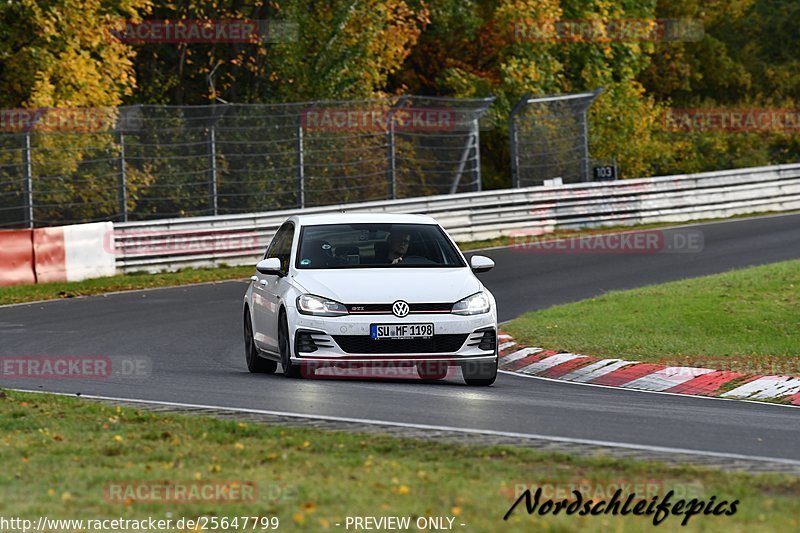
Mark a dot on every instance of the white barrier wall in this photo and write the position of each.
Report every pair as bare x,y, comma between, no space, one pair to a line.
242,239
89,251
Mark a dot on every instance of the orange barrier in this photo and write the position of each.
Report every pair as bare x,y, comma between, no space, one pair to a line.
50,255
16,257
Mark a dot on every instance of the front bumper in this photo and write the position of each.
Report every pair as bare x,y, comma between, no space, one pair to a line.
457,339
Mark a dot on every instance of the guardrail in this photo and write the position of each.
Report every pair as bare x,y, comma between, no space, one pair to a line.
241,239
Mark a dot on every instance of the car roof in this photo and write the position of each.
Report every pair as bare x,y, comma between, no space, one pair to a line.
361,218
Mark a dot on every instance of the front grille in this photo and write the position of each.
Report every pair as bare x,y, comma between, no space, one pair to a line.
386,309
365,344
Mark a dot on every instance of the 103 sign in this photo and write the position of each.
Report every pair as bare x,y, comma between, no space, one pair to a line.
605,173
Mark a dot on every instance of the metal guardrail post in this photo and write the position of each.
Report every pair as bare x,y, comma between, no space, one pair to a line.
122,180
28,183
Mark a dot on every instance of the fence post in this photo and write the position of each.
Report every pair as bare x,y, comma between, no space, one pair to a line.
462,162
212,165
514,138
391,176
585,133
585,125
28,183
301,177
477,171
391,155
122,185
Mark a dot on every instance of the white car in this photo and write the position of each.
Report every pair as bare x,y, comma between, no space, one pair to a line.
369,289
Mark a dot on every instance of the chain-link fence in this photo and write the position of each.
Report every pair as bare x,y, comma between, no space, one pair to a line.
62,166
550,139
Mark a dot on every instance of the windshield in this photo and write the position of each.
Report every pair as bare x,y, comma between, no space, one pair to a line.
376,246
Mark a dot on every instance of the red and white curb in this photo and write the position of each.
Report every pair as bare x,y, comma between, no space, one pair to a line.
645,376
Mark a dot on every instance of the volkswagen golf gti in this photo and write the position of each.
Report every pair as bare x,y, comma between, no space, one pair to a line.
369,290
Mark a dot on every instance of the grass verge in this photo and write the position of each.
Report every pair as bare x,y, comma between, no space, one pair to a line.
122,282
63,457
745,320
125,282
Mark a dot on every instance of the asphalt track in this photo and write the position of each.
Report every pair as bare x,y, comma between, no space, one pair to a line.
192,336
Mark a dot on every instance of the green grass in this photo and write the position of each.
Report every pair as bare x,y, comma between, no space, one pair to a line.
737,317
122,282
59,454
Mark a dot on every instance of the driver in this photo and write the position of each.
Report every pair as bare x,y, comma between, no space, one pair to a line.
398,246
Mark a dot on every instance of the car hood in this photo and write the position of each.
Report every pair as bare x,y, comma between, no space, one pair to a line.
387,285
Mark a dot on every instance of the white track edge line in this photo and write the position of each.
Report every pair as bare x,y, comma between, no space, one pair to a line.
610,444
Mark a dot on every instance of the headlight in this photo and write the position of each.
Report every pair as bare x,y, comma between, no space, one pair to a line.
476,304
308,304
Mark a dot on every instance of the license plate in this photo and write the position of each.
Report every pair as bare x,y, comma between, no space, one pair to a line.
400,331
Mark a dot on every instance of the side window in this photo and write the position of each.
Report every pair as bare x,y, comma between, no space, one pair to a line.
281,245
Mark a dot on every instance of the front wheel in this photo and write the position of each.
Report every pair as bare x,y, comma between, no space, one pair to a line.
255,363
480,374
290,370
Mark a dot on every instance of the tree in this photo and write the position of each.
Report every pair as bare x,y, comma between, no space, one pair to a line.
58,53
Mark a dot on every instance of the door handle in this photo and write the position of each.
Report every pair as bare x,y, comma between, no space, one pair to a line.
263,283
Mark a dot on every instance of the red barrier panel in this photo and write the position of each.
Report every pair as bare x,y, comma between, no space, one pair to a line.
16,257
50,262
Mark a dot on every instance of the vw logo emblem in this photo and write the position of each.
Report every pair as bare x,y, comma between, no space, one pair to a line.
400,309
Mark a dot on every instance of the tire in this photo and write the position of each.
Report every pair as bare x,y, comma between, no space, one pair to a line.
480,374
432,371
255,363
290,370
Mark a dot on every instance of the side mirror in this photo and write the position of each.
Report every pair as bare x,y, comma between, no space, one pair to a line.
271,266
480,263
